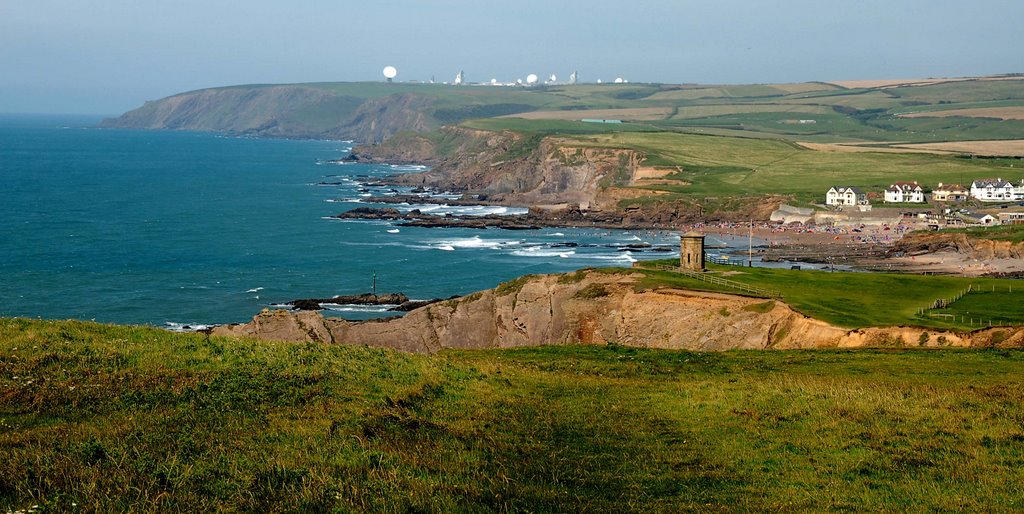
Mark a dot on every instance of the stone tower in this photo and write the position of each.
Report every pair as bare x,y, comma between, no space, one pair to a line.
691,251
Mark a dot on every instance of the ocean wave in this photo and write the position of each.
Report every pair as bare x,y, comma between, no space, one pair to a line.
408,167
474,242
338,307
394,231
539,251
186,327
624,257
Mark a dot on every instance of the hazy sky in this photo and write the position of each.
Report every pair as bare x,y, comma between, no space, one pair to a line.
108,56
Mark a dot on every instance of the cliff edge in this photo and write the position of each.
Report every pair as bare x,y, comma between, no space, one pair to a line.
593,307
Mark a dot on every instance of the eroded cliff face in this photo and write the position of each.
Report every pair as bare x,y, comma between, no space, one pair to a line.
513,168
549,171
982,249
595,308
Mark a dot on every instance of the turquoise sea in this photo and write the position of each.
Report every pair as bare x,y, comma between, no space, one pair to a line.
170,228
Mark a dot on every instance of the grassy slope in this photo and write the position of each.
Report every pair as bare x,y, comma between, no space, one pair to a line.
120,418
764,161
1012,233
857,300
715,165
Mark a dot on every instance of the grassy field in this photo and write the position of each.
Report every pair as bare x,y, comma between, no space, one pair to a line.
857,300
719,166
735,166
1012,233
101,418
986,306
755,110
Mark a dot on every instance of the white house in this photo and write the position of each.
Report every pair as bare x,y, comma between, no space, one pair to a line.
904,192
989,219
992,190
845,195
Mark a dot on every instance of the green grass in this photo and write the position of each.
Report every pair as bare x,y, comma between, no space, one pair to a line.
843,114
554,127
855,300
714,165
114,419
1012,233
993,305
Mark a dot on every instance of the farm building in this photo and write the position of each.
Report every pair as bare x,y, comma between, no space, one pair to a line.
950,193
904,192
845,195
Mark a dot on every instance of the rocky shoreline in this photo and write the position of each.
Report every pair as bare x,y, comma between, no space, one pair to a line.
570,217
401,302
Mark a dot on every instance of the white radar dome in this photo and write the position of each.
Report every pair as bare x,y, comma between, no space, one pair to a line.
390,72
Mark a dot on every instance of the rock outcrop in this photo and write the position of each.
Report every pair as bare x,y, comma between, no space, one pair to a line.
919,243
593,308
510,168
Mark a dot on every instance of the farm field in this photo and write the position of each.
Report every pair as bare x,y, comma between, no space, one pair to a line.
868,112
114,418
714,165
1009,147
1015,112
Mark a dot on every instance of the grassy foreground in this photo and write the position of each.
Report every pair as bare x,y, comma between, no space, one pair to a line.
108,418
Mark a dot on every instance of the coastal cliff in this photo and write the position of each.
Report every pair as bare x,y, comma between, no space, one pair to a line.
288,111
593,307
548,171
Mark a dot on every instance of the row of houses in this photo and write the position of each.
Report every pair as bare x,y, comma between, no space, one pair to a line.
985,190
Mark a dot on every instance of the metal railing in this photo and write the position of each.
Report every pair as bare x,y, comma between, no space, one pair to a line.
719,281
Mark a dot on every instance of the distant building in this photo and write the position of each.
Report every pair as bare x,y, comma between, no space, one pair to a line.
989,219
992,190
904,192
845,195
950,193
1011,218
691,251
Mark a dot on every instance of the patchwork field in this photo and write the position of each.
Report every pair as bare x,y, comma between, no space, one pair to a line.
1002,113
719,166
1013,147
637,114
872,84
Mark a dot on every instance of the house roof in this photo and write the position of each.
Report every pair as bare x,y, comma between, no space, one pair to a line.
843,189
994,182
905,186
950,187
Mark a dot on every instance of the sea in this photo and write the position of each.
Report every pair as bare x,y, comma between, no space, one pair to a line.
184,229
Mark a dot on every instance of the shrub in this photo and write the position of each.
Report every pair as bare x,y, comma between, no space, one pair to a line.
592,291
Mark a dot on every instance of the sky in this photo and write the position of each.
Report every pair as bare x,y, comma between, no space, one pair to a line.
109,56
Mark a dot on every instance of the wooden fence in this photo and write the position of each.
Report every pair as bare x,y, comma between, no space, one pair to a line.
719,281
